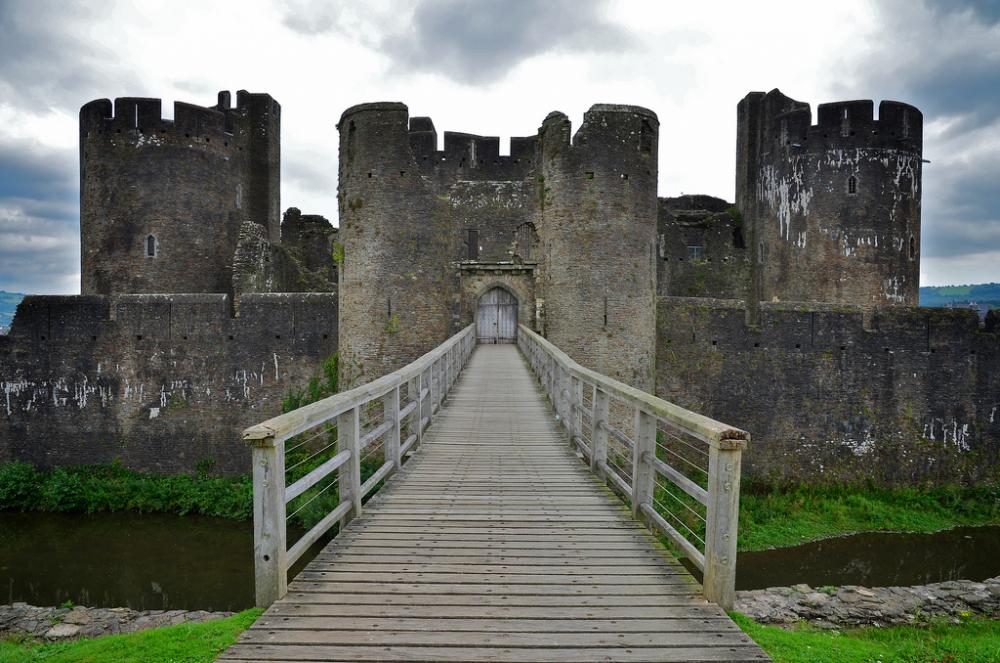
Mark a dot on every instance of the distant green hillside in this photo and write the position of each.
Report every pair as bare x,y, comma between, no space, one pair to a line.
8,304
987,294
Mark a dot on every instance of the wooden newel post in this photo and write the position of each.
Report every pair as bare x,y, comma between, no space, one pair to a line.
598,432
642,464
348,437
269,542
723,517
576,407
413,389
390,412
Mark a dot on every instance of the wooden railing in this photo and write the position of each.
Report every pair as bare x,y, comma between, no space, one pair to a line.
335,435
679,470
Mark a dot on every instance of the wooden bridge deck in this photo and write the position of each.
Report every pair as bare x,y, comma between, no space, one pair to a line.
494,543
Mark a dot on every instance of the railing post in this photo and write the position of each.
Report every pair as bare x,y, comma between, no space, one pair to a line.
576,406
348,437
390,412
413,389
435,386
269,537
721,524
642,465
598,432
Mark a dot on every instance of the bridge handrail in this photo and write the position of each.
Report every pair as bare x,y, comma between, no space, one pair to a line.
564,381
427,379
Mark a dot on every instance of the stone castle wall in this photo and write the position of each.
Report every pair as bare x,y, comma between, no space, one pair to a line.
912,398
159,382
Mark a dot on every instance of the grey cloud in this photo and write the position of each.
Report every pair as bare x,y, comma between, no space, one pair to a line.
472,42
39,218
48,62
943,58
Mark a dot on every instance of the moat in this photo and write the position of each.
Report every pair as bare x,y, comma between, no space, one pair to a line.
139,561
163,561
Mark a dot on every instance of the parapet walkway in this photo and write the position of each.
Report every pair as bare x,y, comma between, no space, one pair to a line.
494,543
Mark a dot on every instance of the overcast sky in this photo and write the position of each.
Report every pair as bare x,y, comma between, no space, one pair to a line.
497,67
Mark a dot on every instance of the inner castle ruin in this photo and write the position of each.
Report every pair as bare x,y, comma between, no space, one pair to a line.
791,313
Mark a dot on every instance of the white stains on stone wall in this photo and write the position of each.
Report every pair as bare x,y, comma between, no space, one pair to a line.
786,195
475,195
950,433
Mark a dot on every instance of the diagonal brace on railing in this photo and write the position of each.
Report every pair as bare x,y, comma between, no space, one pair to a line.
427,382
566,382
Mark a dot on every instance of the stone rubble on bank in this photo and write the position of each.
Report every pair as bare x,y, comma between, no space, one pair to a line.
23,620
876,606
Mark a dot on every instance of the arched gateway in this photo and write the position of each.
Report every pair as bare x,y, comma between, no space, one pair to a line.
496,317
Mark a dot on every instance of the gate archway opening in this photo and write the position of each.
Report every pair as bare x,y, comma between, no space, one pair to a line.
496,317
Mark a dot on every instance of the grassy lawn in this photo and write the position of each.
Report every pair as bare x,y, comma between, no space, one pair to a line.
773,517
974,641
194,643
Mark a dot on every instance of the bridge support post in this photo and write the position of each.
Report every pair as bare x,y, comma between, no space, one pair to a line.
598,432
348,437
270,578
721,524
390,412
642,461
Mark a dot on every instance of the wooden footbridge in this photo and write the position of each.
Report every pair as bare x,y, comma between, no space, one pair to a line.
503,535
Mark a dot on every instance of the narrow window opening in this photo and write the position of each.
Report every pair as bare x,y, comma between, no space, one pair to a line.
845,113
136,108
151,246
852,185
605,310
473,244
760,253
913,247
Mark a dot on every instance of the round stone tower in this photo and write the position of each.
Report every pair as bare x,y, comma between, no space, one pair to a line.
597,204
162,201
397,295
832,210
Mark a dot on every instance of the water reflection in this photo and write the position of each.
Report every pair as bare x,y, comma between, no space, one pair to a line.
876,559
140,561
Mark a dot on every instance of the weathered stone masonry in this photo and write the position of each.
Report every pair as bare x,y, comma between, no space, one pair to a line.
159,382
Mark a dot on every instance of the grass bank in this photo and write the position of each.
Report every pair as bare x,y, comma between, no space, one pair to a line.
973,641
783,516
190,643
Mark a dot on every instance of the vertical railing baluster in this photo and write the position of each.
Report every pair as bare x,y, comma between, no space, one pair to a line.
269,535
598,431
643,452
721,523
390,410
349,477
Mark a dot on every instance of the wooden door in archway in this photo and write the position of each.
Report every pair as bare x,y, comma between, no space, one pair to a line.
496,317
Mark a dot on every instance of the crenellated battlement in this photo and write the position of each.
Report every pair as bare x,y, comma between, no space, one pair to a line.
842,124
136,116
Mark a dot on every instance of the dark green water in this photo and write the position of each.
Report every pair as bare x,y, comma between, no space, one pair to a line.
141,561
875,559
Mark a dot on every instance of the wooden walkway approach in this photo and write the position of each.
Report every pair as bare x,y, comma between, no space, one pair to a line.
494,543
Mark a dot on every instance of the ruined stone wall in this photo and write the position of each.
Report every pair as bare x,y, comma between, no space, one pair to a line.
702,250
159,382
912,399
190,182
833,209
597,205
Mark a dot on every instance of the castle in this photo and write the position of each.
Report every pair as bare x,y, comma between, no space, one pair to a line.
791,313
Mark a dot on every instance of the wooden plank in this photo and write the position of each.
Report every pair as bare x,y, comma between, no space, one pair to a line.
494,543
